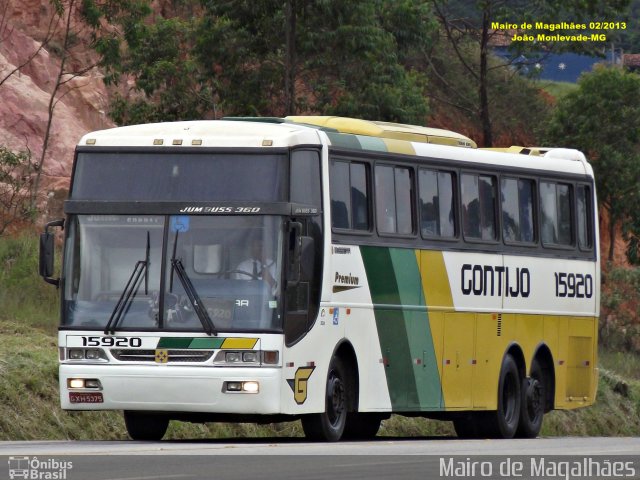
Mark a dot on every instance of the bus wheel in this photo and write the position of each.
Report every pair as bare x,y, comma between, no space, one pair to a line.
329,425
467,426
533,398
503,423
145,426
362,426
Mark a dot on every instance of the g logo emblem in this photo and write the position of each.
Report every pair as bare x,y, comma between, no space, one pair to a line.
299,384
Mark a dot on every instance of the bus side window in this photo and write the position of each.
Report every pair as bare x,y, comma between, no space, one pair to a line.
305,177
555,209
437,210
349,198
394,194
585,228
478,206
516,196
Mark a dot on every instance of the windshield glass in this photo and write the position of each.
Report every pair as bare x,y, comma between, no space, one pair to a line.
231,262
180,176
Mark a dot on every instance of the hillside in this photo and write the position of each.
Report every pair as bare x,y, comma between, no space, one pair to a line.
28,73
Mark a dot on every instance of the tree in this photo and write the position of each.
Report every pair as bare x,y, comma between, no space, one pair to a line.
16,183
469,26
602,118
269,57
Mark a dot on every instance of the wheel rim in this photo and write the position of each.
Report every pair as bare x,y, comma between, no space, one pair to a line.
335,399
509,398
534,399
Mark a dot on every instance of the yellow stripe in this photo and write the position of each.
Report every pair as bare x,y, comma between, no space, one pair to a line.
435,281
240,343
399,146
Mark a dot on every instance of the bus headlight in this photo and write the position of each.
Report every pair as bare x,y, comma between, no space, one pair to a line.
249,357
241,387
82,383
233,357
90,354
246,357
76,354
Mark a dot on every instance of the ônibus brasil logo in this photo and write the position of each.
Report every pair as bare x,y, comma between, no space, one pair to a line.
35,469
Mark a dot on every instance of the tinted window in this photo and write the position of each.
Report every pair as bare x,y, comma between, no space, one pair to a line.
385,199
169,176
305,177
403,200
517,210
349,202
436,203
394,194
555,211
340,197
359,201
584,217
478,206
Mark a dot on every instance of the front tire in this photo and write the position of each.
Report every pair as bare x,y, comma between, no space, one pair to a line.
534,394
329,425
145,426
362,426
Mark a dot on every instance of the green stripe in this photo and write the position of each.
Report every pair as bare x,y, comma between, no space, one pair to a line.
174,342
344,140
372,143
404,333
212,343
190,342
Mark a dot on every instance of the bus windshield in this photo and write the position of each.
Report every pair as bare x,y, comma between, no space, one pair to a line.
230,263
180,176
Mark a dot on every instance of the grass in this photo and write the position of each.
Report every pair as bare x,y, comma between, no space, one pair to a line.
556,89
24,297
29,403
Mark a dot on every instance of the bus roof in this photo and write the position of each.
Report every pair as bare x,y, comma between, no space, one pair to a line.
204,133
396,131
340,132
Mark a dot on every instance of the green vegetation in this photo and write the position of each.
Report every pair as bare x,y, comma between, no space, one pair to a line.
24,297
602,119
200,59
556,89
29,403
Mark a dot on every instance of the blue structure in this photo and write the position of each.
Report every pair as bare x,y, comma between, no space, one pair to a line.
558,67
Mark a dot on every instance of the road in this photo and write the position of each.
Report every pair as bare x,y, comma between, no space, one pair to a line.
297,446
285,459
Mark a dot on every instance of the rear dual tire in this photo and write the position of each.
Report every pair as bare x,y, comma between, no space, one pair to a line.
505,421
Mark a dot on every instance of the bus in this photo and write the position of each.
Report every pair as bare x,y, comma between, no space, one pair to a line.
327,269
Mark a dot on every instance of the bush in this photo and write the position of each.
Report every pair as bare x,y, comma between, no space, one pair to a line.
619,327
24,297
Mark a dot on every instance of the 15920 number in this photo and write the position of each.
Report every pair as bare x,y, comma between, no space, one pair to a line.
574,285
133,342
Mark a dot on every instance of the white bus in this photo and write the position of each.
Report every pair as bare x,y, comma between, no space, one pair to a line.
328,269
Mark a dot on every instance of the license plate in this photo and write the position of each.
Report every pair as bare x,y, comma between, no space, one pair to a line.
85,397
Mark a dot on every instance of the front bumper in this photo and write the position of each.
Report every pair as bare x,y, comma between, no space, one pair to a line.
174,388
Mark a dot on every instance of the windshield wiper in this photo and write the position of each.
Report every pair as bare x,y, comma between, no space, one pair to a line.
190,290
130,290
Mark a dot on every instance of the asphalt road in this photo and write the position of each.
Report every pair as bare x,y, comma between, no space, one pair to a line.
297,446
383,458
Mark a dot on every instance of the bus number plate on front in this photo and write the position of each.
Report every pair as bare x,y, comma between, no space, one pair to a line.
85,397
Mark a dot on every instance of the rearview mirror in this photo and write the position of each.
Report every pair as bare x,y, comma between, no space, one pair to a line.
47,253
